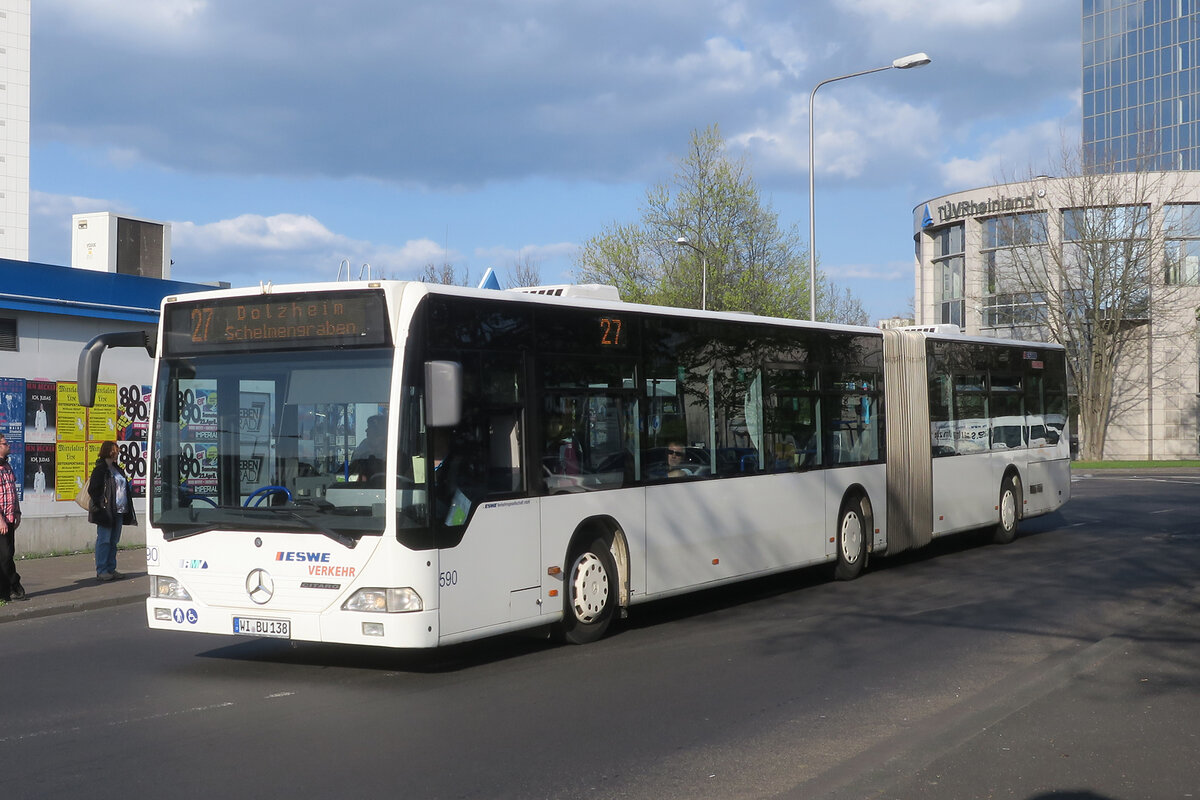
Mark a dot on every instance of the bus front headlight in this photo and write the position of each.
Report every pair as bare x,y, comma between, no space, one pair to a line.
167,588
384,601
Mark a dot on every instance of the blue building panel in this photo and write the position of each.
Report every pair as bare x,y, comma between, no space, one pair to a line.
49,289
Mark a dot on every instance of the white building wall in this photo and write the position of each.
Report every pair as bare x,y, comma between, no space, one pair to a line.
14,129
1156,412
48,349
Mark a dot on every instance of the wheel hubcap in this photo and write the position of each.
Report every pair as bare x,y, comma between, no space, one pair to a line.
852,537
1008,510
590,588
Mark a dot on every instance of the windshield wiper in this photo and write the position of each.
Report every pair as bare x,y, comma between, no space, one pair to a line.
183,533
346,541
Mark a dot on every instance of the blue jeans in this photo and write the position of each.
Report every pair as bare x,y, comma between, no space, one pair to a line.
106,547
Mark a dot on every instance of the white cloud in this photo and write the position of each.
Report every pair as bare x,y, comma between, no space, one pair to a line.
59,207
891,271
205,109
460,94
147,24
723,67
1035,148
291,247
504,256
255,232
413,255
50,223
853,137
938,13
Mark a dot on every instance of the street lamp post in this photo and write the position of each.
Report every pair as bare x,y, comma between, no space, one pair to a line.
905,62
682,241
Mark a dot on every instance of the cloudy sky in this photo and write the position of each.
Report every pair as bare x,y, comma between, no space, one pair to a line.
279,138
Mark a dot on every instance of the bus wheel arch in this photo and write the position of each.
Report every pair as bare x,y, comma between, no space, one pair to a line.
853,534
1009,507
596,580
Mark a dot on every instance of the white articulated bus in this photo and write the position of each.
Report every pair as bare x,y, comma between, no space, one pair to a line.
410,465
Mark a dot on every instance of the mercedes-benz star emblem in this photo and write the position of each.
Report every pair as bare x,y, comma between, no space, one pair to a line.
259,586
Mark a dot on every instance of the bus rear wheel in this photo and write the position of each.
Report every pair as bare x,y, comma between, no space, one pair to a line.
590,599
1010,506
851,540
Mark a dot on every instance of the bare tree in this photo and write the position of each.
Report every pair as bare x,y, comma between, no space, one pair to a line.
1095,278
841,304
525,271
445,273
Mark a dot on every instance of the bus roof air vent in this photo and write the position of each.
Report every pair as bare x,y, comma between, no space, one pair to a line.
942,328
591,291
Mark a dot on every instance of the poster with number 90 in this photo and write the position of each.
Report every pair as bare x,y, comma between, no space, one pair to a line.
133,412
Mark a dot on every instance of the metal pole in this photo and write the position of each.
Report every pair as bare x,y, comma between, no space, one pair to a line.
812,192
906,62
682,241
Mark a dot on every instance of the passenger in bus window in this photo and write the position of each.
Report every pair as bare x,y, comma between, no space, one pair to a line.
368,457
455,457
787,459
563,455
676,456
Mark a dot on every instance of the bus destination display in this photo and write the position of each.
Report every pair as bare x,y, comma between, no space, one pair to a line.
277,321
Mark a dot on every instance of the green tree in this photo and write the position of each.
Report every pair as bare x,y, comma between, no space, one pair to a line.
737,255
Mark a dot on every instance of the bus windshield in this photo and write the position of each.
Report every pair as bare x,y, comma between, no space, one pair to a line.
272,441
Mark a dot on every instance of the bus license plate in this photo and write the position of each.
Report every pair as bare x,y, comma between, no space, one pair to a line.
254,626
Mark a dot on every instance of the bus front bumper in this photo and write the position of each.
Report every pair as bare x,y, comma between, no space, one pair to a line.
409,629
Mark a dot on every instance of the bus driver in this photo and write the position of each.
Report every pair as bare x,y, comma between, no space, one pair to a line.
368,458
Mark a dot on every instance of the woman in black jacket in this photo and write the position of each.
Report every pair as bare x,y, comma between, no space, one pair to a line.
112,508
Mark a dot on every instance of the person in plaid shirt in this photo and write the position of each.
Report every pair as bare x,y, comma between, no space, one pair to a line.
10,518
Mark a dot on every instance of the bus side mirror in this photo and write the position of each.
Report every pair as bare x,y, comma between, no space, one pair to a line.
88,371
443,393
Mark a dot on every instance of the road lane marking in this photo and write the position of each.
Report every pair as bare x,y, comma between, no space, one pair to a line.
115,724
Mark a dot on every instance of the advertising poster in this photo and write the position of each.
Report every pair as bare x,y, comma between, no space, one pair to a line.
40,410
133,413
12,425
12,408
131,456
255,424
102,416
198,435
133,428
72,417
39,471
71,469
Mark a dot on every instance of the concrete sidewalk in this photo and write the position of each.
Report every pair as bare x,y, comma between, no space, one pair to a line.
63,584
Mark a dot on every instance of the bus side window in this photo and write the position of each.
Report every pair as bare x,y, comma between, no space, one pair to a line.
738,419
504,474
481,455
789,418
941,424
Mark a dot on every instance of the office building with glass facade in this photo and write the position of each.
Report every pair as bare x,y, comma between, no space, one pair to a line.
1141,131
968,245
1141,84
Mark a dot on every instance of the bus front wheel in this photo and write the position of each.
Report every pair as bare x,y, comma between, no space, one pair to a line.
851,540
1010,511
590,596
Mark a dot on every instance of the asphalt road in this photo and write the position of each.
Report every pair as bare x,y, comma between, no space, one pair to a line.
1064,665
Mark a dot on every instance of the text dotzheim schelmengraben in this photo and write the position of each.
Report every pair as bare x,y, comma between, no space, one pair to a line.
254,327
